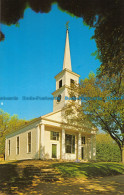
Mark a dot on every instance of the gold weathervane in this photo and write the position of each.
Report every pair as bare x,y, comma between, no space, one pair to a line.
67,25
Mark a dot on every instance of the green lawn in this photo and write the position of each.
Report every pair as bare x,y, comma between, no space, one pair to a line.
89,170
15,175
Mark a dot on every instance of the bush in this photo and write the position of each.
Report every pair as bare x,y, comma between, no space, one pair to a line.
107,149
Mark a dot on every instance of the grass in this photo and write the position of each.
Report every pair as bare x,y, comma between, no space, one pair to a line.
89,170
17,178
17,175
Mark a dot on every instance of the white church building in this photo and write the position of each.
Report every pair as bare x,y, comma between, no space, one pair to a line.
46,137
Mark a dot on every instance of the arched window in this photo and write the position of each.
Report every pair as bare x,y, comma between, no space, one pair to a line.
59,98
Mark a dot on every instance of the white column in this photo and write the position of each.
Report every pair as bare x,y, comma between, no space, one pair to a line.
122,154
42,144
6,149
89,148
79,146
93,147
63,144
38,142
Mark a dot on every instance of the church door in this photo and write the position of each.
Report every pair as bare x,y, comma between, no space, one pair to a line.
54,150
82,152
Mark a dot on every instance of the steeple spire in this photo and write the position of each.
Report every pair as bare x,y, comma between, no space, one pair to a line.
67,57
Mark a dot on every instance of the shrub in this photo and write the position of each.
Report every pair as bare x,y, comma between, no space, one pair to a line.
107,149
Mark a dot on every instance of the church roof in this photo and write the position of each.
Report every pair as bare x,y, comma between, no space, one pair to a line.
63,71
67,56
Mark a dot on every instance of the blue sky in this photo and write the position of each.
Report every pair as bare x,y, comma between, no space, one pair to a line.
32,54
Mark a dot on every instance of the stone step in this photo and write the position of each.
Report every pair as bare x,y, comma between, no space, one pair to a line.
50,179
54,176
44,173
39,167
44,169
39,170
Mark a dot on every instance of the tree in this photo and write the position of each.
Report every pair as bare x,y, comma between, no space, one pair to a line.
107,17
102,104
106,148
8,124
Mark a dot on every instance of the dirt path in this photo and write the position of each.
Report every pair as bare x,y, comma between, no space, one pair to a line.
107,185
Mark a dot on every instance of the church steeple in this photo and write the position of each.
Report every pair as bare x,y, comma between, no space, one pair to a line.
67,56
64,79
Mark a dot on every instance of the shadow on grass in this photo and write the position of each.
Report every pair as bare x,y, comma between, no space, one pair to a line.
81,187
19,177
89,170
13,178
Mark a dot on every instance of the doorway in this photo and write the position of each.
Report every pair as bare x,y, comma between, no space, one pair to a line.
54,150
82,152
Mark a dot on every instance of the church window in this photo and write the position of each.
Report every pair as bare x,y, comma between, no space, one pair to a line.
73,98
83,140
59,98
17,145
9,147
54,135
71,82
60,83
70,143
29,142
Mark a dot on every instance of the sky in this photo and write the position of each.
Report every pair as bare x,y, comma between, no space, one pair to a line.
32,54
